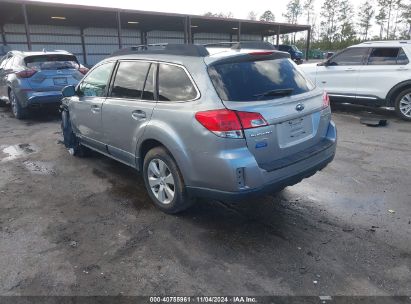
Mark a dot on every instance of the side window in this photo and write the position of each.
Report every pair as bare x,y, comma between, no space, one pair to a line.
402,57
148,93
174,84
130,78
383,56
3,62
9,63
96,82
352,56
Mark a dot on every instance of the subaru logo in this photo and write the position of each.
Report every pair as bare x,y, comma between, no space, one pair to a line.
299,107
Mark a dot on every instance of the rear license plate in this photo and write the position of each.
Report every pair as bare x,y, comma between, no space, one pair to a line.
295,130
60,81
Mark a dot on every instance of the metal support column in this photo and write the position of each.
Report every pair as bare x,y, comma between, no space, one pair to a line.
142,37
26,25
239,32
307,50
3,34
189,31
278,36
119,34
185,24
83,46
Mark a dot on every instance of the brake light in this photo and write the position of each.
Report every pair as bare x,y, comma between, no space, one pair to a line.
261,53
229,124
326,100
83,70
251,120
26,73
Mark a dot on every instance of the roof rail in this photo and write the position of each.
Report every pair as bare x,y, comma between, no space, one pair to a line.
260,45
388,41
164,48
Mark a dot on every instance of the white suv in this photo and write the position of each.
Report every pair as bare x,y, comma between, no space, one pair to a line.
374,73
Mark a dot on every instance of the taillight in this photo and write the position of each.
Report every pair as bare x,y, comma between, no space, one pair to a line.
83,70
228,123
251,120
26,73
326,100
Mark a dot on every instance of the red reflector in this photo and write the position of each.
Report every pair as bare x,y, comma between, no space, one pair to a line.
219,120
326,99
261,53
251,120
26,73
83,70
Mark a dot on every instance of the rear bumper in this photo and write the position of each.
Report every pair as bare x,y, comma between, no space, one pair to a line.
267,188
39,98
273,178
33,98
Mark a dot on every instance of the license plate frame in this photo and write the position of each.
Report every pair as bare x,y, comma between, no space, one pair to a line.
60,81
295,130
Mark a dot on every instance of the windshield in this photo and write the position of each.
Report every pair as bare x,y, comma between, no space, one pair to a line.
295,48
258,80
51,62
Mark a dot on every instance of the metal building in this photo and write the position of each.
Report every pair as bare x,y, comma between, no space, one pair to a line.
92,33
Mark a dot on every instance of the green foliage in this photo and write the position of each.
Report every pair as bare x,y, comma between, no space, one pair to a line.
267,16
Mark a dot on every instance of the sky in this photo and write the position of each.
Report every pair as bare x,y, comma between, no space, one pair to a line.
239,8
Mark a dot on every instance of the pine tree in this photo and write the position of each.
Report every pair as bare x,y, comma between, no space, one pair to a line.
252,15
267,16
365,16
329,14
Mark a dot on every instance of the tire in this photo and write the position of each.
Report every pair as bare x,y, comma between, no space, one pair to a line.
157,180
403,104
71,141
18,111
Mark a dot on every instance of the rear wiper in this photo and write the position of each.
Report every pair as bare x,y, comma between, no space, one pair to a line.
278,92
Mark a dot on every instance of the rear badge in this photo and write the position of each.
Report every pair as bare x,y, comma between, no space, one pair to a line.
299,107
261,134
261,144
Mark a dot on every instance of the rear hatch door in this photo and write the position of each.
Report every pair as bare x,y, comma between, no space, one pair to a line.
290,104
54,71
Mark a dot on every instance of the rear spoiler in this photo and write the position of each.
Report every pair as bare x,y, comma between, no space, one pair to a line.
257,55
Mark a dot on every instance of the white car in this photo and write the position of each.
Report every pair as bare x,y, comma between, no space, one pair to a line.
374,73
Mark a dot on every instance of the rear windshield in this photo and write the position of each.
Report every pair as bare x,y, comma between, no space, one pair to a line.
52,62
258,80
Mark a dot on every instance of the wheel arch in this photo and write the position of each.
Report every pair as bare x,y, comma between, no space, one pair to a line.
161,135
397,89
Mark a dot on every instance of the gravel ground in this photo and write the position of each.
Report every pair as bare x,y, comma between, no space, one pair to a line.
85,226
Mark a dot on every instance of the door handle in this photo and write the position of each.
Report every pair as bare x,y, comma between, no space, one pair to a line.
138,114
95,108
349,70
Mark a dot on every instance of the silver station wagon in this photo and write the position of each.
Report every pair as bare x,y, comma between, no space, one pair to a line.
223,126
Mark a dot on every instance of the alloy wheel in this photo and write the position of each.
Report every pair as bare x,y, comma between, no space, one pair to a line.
13,102
405,105
161,181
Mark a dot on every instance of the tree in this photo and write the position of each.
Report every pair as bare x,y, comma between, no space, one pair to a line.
381,18
267,16
365,15
252,15
219,15
406,18
293,12
308,7
329,14
345,19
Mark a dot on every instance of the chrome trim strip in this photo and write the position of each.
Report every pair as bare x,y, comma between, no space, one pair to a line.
352,96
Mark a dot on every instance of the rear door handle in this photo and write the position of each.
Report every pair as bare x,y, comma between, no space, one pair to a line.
95,108
138,114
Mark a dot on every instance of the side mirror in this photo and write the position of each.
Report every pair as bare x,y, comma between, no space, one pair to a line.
69,91
325,63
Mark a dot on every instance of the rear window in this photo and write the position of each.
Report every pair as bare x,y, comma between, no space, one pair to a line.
52,62
257,80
